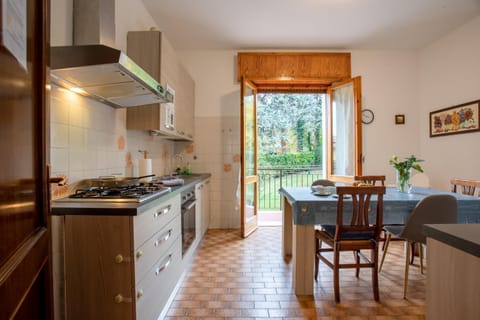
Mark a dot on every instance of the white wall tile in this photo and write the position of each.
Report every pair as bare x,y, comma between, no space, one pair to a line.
76,137
59,160
59,135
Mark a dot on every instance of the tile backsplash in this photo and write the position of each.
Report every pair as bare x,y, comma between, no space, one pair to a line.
89,139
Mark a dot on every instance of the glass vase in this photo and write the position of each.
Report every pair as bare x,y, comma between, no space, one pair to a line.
403,180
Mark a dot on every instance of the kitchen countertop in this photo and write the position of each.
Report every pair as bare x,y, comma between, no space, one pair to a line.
86,207
465,237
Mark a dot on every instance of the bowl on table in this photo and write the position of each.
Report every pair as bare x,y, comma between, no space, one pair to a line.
323,190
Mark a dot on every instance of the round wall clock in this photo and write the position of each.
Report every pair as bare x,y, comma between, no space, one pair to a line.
367,116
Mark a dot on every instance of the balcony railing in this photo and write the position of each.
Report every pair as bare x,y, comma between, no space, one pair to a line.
270,179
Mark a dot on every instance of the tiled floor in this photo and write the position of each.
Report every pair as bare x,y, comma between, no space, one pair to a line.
269,218
238,278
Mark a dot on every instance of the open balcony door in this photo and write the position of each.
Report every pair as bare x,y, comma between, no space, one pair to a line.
249,178
344,130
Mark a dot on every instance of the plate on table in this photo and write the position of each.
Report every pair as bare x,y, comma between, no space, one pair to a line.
322,194
345,196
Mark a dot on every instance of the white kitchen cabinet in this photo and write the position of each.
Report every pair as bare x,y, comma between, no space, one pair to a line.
154,53
202,195
122,267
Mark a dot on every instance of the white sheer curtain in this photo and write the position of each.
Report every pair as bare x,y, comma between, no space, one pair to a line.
343,134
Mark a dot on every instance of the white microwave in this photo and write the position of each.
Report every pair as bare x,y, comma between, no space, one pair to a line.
170,110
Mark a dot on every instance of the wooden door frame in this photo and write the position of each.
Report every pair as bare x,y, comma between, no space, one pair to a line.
247,228
356,81
29,269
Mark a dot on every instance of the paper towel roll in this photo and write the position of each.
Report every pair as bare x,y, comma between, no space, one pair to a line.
144,169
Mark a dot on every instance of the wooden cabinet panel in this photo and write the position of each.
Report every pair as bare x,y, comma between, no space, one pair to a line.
105,278
453,285
148,59
93,277
300,67
152,51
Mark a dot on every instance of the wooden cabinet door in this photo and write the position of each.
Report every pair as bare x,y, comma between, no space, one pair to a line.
99,266
249,177
344,134
25,272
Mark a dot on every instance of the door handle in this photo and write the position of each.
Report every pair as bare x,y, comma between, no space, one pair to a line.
60,181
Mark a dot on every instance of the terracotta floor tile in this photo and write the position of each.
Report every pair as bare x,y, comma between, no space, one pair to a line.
235,278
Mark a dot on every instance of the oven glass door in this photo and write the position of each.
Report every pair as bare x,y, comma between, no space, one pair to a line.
188,225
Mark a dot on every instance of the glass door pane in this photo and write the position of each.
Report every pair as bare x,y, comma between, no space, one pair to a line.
249,179
344,134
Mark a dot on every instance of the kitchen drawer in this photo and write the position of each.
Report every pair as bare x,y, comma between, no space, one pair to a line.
154,219
155,247
154,290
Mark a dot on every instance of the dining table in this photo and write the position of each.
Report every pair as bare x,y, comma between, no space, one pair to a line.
302,209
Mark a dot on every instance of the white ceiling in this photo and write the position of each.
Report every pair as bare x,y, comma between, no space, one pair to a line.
308,24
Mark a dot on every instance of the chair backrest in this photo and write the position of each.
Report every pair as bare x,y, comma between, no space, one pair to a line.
371,179
323,182
467,186
435,208
360,220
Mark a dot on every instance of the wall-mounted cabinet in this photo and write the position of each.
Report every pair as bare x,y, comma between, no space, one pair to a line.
153,52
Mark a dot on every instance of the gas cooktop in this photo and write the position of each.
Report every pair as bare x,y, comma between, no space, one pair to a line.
134,193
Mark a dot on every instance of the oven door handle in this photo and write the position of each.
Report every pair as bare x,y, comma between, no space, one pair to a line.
190,205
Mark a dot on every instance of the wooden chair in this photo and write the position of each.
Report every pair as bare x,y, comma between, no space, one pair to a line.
437,208
371,179
468,187
359,233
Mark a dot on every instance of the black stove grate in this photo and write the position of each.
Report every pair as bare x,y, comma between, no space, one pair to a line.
136,192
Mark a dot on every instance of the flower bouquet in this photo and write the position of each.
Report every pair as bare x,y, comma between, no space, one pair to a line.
404,171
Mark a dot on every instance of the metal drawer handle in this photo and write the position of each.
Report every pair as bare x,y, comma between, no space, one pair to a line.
191,205
163,238
139,254
163,210
165,265
139,294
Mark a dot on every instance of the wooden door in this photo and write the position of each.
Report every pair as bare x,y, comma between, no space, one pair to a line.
344,132
25,272
249,178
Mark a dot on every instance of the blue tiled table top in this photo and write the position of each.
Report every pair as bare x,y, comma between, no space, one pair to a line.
308,209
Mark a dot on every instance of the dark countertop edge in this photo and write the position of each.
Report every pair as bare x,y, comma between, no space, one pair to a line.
122,209
465,237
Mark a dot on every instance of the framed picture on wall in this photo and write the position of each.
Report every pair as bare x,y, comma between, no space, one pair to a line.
462,118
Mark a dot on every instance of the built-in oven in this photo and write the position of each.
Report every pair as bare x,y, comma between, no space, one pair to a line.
188,219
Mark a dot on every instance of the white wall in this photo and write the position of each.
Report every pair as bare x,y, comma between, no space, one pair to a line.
61,13
130,15
449,74
388,86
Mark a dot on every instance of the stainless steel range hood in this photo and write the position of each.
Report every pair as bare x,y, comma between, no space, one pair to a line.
106,74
